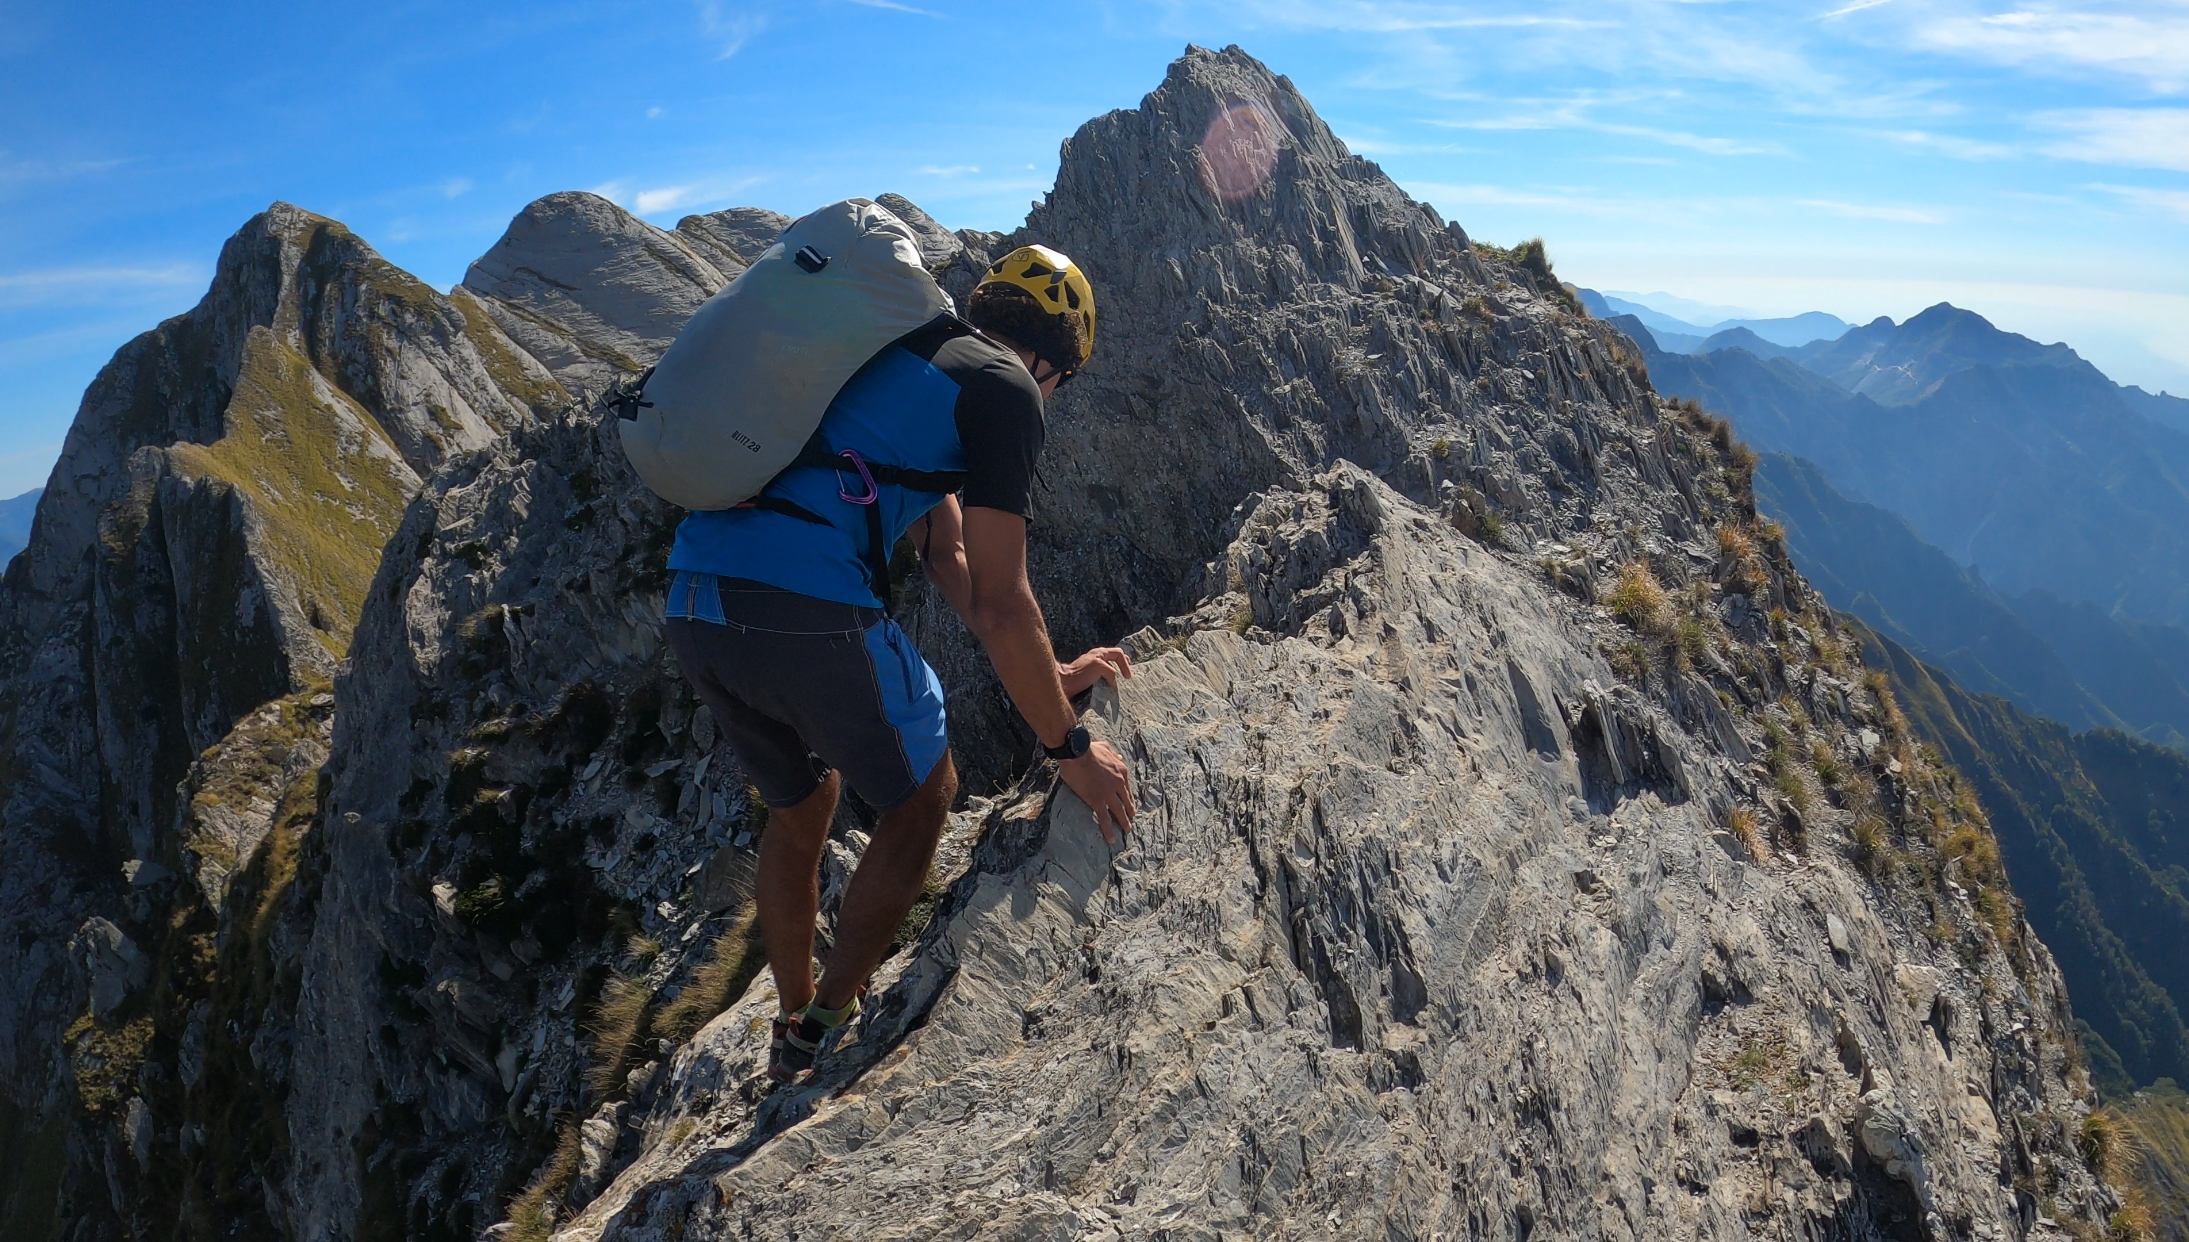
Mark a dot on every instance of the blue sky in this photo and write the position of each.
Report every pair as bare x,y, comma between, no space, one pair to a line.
2029,161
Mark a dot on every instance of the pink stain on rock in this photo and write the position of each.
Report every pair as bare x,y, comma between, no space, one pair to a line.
1239,149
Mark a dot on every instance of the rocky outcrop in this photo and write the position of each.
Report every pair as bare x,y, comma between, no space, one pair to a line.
1260,325
204,547
1430,926
732,239
1519,853
589,289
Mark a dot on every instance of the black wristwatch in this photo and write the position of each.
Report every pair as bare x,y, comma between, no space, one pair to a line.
1076,743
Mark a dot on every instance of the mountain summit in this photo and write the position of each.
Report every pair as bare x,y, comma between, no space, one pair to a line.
1520,853
1899,364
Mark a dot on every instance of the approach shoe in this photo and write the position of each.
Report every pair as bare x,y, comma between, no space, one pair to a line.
807,1036
777,1039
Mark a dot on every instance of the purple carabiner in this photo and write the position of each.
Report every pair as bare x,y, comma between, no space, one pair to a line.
873,492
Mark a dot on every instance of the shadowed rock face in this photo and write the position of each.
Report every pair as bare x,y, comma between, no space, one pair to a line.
1432,925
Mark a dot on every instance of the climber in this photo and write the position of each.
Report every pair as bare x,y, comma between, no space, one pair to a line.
781,623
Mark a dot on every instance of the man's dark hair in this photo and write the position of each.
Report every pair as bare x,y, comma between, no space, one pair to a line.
1012,313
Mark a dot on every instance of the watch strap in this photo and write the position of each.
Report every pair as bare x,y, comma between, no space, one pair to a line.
1076,743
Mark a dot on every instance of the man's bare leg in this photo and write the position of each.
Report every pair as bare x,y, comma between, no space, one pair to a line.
888,881
789,889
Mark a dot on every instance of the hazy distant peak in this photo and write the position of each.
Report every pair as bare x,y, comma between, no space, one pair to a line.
1688,336
1896,364
15,515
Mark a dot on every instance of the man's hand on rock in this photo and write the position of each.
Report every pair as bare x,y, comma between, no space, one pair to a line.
1101,781
1104,664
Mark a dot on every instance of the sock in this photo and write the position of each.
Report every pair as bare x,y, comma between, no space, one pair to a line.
832,1018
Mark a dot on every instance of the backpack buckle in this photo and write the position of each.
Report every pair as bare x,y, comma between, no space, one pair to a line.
627,397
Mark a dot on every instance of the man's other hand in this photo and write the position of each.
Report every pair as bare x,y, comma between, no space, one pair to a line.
1101,781
1104,664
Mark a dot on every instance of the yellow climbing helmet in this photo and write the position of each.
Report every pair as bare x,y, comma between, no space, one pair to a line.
1057,284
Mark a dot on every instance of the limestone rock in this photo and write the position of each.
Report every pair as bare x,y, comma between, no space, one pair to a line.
733,238
113,965
939,247
589,289
1341,982
1254,335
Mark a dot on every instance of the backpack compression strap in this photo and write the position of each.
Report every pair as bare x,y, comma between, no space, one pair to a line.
816,455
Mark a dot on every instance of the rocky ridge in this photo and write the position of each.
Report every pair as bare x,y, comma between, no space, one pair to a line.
203,549
1521,851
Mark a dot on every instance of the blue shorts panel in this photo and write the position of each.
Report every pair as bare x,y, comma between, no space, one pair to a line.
800,686
911,698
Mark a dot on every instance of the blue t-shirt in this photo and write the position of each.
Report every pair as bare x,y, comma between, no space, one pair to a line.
942,398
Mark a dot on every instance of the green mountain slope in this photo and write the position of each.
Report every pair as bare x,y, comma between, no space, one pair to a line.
2159,1117
2094,828
2069,662
2139,669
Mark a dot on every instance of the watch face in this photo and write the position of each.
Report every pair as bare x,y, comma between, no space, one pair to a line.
1075,744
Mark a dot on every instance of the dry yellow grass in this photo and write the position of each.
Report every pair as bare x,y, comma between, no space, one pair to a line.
731,962
1640,600
1742,824
1734,544
617,1022
531,1217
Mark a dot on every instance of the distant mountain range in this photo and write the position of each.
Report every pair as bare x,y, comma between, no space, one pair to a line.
2017,457
1682,336
1900,457
15,518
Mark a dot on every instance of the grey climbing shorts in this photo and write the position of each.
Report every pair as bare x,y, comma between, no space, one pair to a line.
801,686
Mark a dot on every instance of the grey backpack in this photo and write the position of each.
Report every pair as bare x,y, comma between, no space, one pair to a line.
737,395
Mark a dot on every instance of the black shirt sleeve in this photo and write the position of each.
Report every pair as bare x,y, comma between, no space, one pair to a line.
1000,424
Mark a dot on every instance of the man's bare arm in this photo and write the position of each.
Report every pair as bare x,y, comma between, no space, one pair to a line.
940,537
1007,619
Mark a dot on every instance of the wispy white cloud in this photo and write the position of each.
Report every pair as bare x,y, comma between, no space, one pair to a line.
2130,137
2174,203
952,170
456,187
1377,146
18,172
668,197
653,113
1952,145
711,192
729,32
1866,211
1694,142
1573,114
895,7
1498,195
2144,41
1398,16
56,286
1856,7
